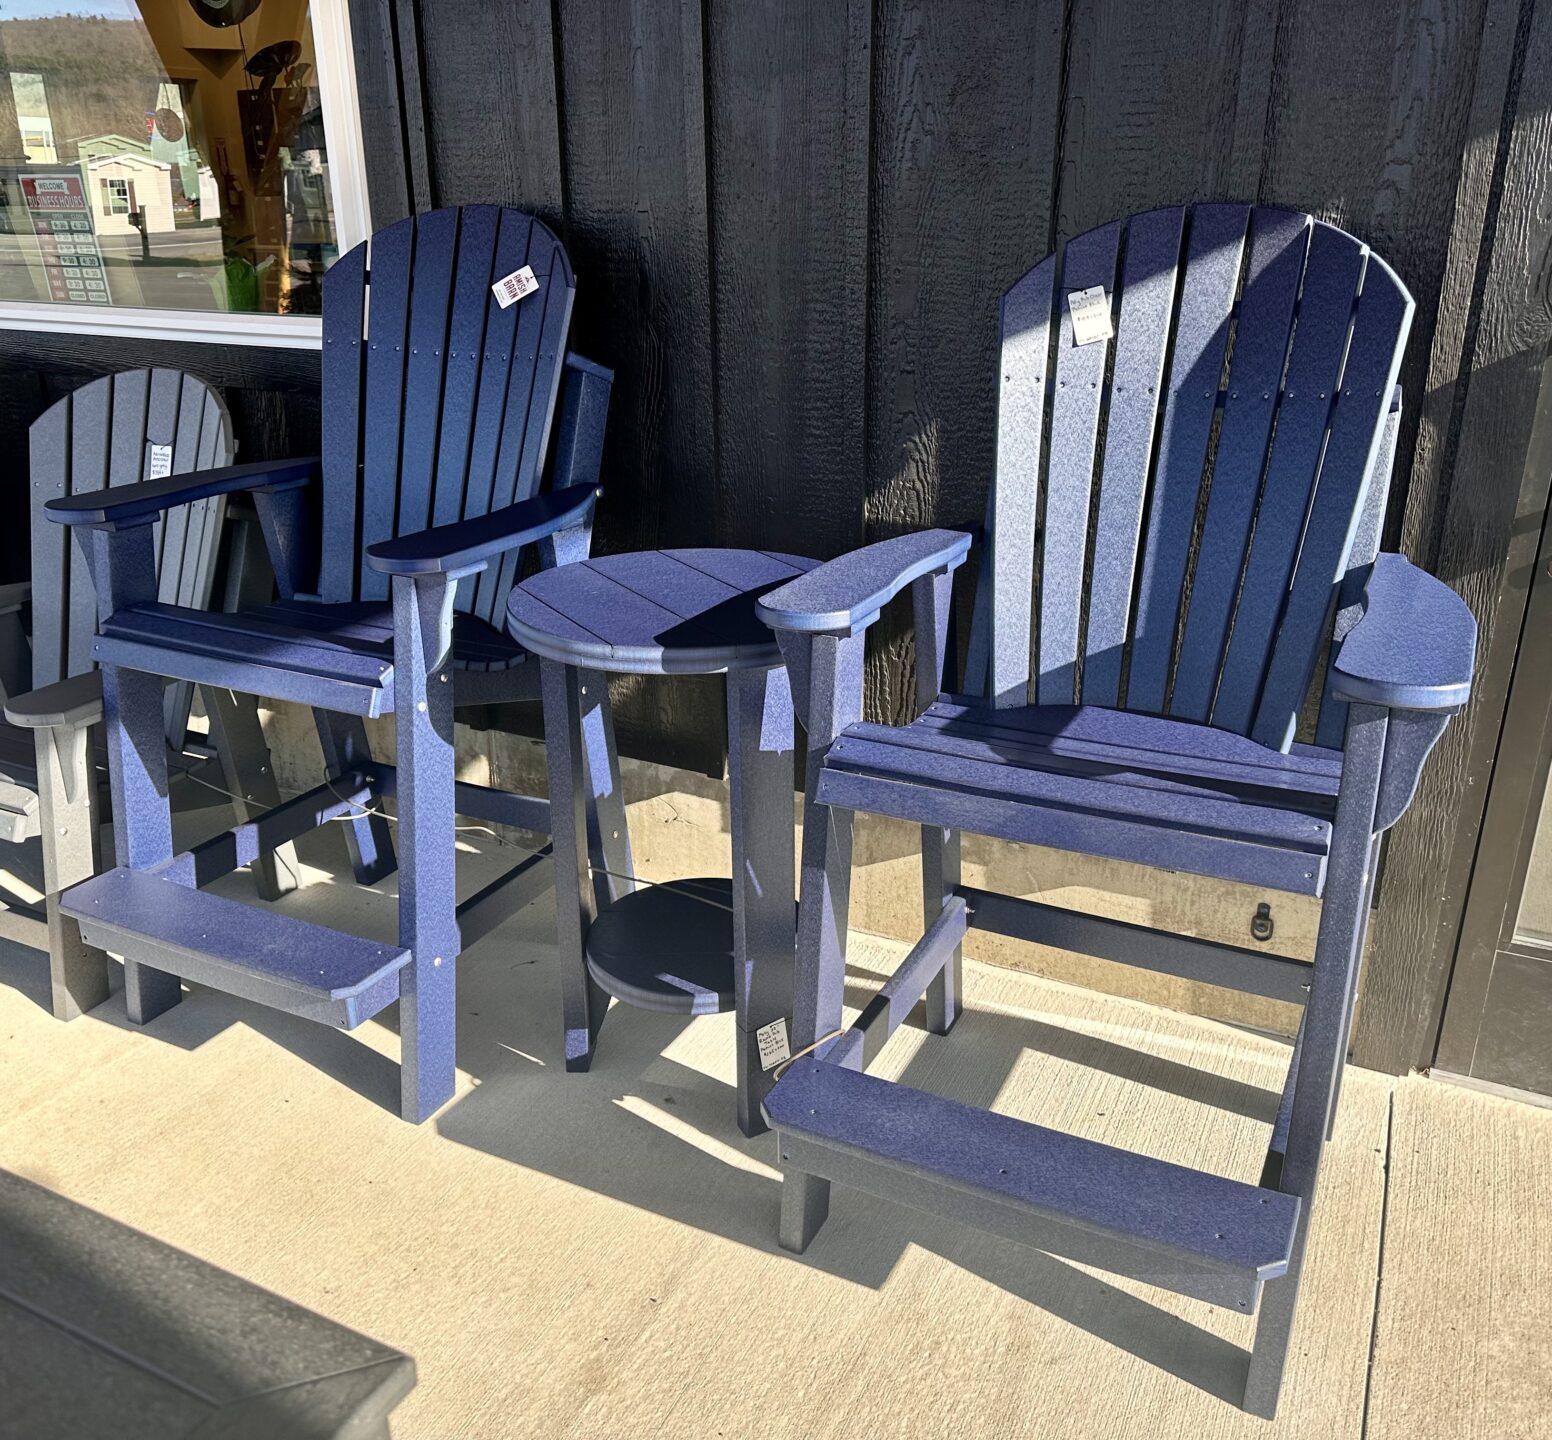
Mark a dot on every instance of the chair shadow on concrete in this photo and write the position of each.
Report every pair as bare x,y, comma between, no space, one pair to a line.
644,1128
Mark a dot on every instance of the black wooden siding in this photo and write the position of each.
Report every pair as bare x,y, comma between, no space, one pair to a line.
791,221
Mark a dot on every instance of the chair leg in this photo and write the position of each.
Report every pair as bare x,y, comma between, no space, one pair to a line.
608,839
583,1002
142,815
246,770
940,874
1323,1047
760,788
344,742
1351,998
428,923
805,1203
68,821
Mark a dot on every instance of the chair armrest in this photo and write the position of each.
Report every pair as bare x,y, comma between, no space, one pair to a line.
1415,646
127,504
467,543
76,701
14,596
846,594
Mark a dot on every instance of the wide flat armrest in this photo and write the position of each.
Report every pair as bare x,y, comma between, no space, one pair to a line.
846,594
14,595
1415,646
76,701
468,542
125,504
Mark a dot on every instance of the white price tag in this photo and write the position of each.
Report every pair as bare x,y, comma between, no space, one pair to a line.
161,462
1090,315
772,1040
513,287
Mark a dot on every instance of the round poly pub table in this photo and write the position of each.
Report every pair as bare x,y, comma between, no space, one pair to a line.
699,946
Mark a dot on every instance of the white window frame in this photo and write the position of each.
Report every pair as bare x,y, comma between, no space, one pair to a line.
336,76
110,190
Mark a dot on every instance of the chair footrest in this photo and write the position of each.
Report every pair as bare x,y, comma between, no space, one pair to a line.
258,954
1166,1224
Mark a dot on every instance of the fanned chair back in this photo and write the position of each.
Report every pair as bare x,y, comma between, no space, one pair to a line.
437,397
1189,494
119,430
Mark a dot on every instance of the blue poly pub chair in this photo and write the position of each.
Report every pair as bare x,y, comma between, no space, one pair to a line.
443,357
1198,497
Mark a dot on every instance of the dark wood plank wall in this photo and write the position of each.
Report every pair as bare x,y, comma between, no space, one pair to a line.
791,221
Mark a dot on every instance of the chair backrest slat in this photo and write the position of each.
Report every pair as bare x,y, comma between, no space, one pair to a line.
431,302
1278,242
1214,246
521,481
1234,427
1026,356
1142,336
1088,261
1366,545
437,398
465,351
1302,418
1380,324
114,431
388,313
344,371
49,443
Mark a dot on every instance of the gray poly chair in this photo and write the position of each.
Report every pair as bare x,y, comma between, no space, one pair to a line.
118,430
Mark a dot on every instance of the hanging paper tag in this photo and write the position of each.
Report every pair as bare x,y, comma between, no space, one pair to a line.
161,462
513,287
1090,315
772,1040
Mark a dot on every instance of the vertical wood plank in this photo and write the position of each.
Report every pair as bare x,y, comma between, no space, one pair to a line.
788,103
1150,112
492,119
91,438
962,183
1368,134
634,108
1485,510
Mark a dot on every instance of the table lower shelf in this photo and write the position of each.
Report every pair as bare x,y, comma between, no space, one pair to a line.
668,950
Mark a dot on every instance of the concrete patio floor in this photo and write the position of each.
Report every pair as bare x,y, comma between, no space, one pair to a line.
594,1255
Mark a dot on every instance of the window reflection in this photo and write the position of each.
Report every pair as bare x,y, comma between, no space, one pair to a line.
162,153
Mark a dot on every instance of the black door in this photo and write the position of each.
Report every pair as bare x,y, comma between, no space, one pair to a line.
1498,1017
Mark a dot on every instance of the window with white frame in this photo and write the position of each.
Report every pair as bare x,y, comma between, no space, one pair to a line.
179,167
115,197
